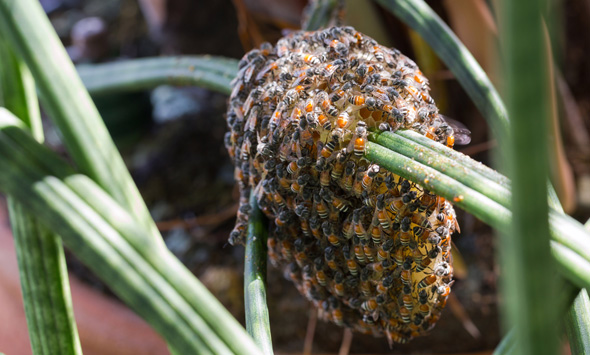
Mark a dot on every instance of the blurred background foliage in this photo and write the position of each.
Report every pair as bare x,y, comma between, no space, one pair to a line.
172,141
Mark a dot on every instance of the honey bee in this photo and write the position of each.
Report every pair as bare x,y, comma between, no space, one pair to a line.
369,305
456,132
328,70
343,120
382,217
427,281
310,59
332,111
398,257
320,207
385,284
338,317
408,302
347,178
328,149
325,177
283,218
361,71
357,100
305,227
314,225
384,251
324,121
348,228
406,277
339,283
329,234
376,235
369,252
337,95
338,168
329,255
341,49
424,263
323,101
287,250
367,181
320,274
359,230
405,314
300,255
365,285
352,266
361,139
443,291
296,186
357,187
359,253
309,105
293,167
340,204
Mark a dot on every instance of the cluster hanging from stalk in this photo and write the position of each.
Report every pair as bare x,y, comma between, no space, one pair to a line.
368,248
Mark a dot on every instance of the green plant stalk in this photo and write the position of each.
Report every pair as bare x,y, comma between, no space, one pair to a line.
445,164
527,242
566,296
456,156
507,345
25,24
198,309
213,73
578,324
17,90
422,19
42,267
45,286
459,194
321,12
257,322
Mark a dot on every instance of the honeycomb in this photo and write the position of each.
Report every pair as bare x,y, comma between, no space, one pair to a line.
368,248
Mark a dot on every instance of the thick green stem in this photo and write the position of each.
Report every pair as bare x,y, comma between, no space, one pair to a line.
66,100
578,324
527,242
257,322
214,73
453,168
43,273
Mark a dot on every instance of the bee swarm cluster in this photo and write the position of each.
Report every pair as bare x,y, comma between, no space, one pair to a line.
368,248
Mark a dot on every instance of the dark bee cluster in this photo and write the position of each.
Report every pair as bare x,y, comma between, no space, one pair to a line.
370,249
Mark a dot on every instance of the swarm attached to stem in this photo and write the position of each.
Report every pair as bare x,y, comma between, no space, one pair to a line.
368,248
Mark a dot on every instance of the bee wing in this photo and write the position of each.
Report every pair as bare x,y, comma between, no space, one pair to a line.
264,70
461,133
381,96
